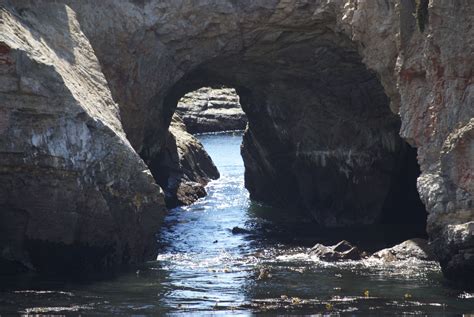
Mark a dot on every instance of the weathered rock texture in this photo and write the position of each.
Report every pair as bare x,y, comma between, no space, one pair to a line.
407,250
212,110
317,80
74,195
341,251
184,167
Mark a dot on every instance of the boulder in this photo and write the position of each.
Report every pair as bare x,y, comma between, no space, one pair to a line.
411,249
184,168
341,251
238,230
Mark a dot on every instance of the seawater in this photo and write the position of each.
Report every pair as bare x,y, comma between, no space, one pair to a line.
263,267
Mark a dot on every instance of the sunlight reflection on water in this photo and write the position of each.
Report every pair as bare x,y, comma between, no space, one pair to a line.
203,267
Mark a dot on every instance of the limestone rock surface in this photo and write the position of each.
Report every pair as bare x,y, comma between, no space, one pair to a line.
212,110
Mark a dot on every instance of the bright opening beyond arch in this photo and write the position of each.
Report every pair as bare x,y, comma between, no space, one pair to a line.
218,109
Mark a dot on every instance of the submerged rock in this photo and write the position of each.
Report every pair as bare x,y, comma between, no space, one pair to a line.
264,274
212,110
410,249
238,230
341,251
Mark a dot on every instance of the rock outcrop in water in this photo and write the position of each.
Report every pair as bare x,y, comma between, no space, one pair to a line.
341,251
212,110
413,249
317,81
184,167
410,249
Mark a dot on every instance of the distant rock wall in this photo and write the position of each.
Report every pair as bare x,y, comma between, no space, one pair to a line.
212,110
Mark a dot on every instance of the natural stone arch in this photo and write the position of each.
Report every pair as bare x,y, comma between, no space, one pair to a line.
146,47
391,34
321,135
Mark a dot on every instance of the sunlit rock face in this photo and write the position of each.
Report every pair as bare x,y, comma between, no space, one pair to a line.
74,195
324,85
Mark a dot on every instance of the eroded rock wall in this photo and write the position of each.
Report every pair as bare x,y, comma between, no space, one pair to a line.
74,195
424,50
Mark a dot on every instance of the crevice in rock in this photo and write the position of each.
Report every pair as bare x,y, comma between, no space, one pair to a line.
403,205
422,14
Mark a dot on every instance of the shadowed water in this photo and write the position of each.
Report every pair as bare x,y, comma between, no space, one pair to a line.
203,267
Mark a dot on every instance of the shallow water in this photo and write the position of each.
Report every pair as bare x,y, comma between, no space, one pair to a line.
204,268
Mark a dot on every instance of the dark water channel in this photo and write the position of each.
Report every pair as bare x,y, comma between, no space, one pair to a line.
261,268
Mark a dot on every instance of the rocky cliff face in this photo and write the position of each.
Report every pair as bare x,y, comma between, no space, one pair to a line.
74,195
427,72
184,168
327,86
212,110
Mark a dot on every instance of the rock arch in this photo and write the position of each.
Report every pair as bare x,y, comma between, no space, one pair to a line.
321,135
278,53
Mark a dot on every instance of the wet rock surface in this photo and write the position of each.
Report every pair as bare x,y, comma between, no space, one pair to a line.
212,110
238,230
411,249
184,168
343,250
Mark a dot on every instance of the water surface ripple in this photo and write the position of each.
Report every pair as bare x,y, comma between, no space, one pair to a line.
205,267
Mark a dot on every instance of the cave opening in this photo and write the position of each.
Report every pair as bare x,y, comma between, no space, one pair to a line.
321,136
401,213
403,205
